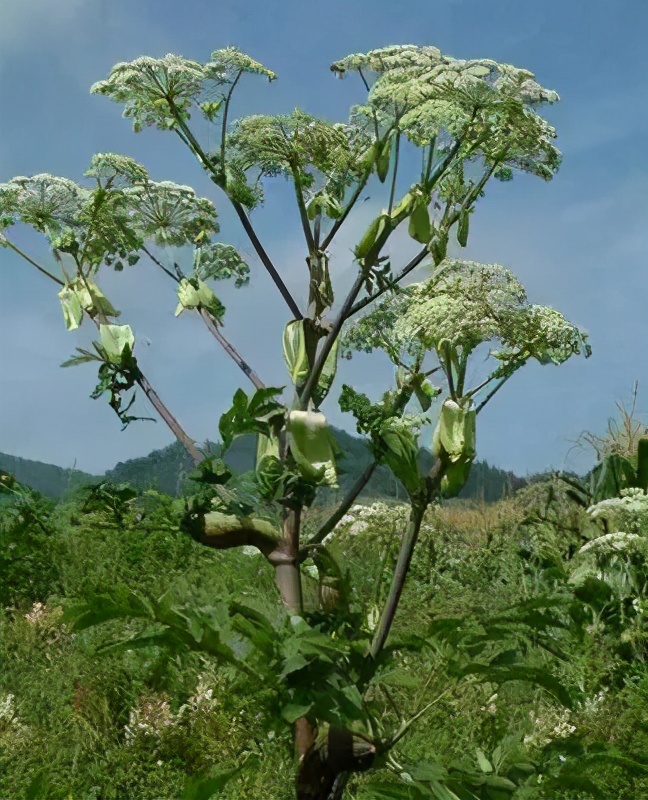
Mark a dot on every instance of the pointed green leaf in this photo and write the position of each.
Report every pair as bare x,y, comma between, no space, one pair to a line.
369,238
383,160
484,764
420,227
294,711
463,228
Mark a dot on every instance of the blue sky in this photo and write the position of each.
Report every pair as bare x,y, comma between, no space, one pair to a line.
578,243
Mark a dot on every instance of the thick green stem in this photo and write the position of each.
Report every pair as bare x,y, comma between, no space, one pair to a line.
303,214
285,560
347,209
320,361
229,348
495,389
411,265
392,191
341,510
265,260
408,542
212,326
398,580
194,145
228,100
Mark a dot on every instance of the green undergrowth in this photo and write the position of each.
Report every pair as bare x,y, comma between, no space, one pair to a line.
76,722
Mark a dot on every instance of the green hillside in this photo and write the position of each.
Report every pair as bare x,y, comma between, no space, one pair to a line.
166,470
49,480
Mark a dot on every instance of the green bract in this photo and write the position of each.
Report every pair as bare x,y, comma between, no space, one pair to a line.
453,442
454,435
294,350
83,295
194,293
311,444
115,340
400,452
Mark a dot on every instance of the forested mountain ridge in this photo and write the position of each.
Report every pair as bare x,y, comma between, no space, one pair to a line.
166,470
48,479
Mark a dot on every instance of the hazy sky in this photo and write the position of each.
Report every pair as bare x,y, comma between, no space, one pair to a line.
578,243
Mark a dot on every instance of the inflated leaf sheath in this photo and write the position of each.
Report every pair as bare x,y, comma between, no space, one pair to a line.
294,349
455,433
83,295
311,444
114,339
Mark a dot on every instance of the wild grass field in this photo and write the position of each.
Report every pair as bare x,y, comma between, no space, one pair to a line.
82,716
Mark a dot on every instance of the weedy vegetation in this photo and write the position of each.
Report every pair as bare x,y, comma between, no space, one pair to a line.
244,641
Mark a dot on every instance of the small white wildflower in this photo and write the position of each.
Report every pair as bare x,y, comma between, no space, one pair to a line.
358,527
619,540
37,614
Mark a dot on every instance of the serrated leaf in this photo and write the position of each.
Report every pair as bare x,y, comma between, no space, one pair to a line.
425,393
294,711
398,677
210,109
269,474
537,676
204,788
260,414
